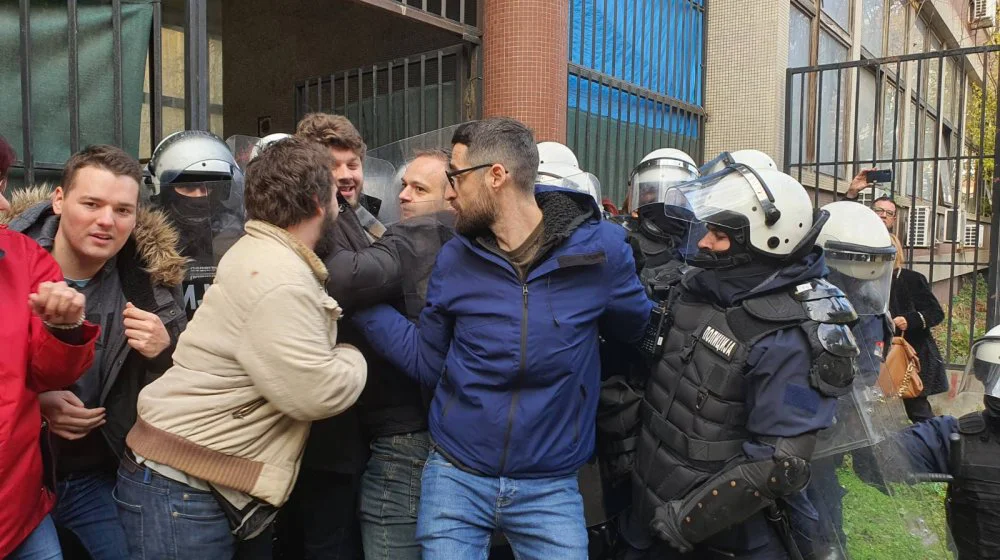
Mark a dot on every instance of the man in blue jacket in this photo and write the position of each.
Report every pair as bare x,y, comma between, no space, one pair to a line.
509,342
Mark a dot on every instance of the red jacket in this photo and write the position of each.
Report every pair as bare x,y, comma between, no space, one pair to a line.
31,361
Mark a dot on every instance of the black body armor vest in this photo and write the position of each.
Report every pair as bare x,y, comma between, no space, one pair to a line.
695,411
973,503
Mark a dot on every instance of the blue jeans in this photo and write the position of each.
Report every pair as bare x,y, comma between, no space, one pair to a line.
84,506
390,494
167,520
542,518
41,544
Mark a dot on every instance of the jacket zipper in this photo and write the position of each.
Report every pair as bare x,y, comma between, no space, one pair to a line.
517,391
247,409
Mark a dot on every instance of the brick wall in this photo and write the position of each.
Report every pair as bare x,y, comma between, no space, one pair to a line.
524,63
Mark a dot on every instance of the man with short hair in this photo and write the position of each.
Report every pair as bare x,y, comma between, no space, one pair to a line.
886,209
424,184
219,437
124,260
508,340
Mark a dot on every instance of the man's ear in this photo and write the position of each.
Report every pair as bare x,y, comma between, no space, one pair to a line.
58,196
496,174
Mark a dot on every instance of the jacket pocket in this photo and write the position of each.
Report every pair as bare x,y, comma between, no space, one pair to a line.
579,413
245,410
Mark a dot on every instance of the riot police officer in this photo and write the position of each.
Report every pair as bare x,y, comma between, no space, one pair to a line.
860,255
967,449
757,351
194,177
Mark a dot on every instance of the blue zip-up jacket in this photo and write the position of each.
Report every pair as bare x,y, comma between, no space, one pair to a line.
515,365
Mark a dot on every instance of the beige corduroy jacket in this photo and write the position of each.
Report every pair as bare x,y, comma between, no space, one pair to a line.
257,364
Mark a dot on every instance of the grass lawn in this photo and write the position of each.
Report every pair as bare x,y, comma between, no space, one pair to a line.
910,525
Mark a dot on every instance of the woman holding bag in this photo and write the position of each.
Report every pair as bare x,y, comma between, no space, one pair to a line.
915,310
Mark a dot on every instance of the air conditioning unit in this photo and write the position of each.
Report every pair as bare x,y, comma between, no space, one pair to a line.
974,235
868,196
954,226
919,232
982,13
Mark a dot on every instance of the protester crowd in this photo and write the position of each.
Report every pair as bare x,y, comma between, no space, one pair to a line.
219,356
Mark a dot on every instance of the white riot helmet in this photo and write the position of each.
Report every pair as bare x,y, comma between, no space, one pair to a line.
764,212
754,159
192,156
657,172
982,375
860,254
569,177
554,152
558,166
267,141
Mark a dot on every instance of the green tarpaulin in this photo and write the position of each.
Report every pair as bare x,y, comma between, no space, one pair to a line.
50,104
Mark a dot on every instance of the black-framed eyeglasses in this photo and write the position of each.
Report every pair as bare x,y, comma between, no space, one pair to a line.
452,174
883,211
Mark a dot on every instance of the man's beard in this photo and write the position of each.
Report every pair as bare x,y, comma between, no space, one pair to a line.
477,216
325,243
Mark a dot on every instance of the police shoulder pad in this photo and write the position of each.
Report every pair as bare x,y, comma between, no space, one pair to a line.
837,340
776,307
824,303
972,423
818,288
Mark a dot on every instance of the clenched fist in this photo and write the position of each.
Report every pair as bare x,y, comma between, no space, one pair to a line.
145,331
57,304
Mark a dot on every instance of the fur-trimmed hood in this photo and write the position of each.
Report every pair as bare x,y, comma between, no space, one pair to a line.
156,240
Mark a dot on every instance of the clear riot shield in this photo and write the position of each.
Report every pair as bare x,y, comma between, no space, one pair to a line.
379,203
416,228
397,157
209,218
244,149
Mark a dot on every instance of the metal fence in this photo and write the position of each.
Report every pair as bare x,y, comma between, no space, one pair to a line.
95,100
396,99
931,119
636,82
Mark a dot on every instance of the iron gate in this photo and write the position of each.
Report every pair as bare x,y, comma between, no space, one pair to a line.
932,120
392,100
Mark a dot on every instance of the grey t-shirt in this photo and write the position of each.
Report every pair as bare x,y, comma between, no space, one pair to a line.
105,305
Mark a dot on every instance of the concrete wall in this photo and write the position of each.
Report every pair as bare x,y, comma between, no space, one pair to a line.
268,46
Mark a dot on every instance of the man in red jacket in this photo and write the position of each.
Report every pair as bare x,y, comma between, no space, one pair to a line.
46,345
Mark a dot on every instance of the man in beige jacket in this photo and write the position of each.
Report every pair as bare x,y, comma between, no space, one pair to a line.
218,441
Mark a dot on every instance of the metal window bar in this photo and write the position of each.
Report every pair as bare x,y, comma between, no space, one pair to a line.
946,262
378,97
625,106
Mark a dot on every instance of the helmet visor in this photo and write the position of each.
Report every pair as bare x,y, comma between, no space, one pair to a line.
863,273
733,192
580,181
982,372
652,179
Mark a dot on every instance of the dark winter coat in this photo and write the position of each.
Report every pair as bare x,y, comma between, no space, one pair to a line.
912,299
393,270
